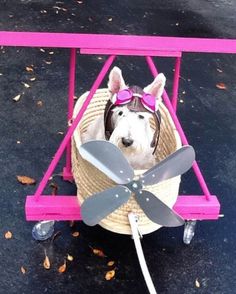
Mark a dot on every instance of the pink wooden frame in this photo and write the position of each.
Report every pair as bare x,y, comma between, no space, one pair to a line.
43,207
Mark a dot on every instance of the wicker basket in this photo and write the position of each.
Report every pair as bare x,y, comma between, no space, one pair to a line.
90,180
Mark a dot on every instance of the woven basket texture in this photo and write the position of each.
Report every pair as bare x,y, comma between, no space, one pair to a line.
90,180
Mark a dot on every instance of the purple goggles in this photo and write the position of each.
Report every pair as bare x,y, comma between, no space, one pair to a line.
125,96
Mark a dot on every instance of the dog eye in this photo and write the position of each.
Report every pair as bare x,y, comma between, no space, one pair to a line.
120,113
140,116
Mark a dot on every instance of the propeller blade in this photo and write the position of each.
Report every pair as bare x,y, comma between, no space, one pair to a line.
157,211
100,205
175,164
109,159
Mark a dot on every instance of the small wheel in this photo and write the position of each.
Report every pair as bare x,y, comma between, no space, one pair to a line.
189,230
43,230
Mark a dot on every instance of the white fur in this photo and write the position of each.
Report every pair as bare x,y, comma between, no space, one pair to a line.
129,124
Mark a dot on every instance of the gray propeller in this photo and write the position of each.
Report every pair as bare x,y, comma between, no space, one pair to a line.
109,159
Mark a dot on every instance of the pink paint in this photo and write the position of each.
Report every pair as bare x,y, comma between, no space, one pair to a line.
70,131
129,52
68,208
197,208
124,42
52,208
71,93
168,104
176,84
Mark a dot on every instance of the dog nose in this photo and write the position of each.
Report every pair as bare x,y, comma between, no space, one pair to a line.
127,142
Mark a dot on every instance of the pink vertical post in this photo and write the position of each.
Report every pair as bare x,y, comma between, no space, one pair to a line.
72,128
176,83
168,104
67,175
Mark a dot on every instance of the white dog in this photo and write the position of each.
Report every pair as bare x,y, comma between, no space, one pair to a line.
131,130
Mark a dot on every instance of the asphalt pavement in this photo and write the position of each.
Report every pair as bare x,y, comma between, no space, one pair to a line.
32,128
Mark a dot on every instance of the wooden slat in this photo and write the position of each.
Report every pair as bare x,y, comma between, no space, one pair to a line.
101,41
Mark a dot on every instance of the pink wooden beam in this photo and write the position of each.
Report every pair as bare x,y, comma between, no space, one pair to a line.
70,131
52,208
131,52
197,207
168,104
100,41
71,92
176,84
68,208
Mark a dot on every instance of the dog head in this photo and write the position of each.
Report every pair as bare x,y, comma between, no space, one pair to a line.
128,126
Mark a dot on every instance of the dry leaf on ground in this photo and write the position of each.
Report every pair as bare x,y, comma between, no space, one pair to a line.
39,103
26,180
75,234
62,268
197,284
29,69
8,235
111,263
110,275
17,98
26,85
54,188
221,86
70,257
23,270
47,62
46,263
98,252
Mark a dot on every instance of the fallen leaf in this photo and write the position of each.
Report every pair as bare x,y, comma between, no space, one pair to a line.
75,234
17,98
221,86
23,270
29,69
110,275
26,85
39,103
54,188
62,268
46,263
8,235
98,252
26,180
111,263
197,284
70,257
47,62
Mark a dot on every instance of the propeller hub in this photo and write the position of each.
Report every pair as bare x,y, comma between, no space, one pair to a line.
135,186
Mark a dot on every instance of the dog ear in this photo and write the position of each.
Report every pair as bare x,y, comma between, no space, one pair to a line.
116,81
156,88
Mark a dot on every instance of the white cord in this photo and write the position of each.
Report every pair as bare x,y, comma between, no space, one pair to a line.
135,232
